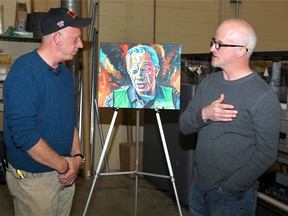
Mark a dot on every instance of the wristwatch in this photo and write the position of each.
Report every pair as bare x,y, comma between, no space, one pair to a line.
80,155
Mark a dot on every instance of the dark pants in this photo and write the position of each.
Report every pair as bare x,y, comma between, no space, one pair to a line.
215,203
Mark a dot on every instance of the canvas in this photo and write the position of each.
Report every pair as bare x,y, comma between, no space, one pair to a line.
140,76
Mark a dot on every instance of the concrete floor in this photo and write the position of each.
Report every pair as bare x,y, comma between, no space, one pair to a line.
114,195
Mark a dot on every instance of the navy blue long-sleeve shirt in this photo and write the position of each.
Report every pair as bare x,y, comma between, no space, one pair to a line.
37,104
233,155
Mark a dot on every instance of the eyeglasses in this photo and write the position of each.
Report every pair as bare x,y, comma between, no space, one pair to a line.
219,45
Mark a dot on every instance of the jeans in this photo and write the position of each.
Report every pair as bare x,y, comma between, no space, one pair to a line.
215,203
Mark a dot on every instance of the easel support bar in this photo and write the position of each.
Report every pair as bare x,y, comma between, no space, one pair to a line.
154,175
116,173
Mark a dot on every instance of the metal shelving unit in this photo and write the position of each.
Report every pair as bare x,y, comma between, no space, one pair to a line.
20,39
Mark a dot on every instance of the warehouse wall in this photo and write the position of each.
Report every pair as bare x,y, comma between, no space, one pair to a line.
191,23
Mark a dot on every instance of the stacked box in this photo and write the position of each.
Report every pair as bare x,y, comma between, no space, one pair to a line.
44,6
5,64
20,16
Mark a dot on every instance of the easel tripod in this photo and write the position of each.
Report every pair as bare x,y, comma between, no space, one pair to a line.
171,175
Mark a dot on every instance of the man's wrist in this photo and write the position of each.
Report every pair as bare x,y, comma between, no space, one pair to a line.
81,156
203,115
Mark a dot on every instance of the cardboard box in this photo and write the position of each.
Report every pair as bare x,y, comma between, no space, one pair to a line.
5,64
20,16
128,157
44,6
5,58
4,68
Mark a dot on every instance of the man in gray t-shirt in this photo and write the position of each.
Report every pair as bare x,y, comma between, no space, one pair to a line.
237,117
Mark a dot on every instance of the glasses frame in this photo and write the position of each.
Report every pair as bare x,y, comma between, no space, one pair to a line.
219,45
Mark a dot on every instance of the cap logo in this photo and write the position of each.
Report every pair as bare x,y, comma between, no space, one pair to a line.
71,14
60,24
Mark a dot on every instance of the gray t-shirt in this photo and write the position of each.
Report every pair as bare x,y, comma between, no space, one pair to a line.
233,155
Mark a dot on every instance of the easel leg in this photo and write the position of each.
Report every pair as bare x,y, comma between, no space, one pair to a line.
168,160
101,134
101,159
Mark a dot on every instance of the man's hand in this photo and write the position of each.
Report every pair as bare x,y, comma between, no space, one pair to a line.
69,177
218,111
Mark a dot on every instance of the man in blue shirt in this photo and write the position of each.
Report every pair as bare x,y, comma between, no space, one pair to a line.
43,148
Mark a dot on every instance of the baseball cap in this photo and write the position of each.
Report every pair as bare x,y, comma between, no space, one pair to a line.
60,18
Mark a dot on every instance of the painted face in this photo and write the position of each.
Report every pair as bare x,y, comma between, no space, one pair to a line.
143,74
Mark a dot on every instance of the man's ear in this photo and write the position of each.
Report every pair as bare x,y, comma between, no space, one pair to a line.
157,69
56,37
241,51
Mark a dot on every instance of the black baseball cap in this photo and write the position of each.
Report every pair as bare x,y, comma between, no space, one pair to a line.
60,18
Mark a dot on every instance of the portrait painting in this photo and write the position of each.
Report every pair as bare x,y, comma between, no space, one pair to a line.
140,76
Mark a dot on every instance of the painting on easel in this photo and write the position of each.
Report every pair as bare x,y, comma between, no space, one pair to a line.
140,76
